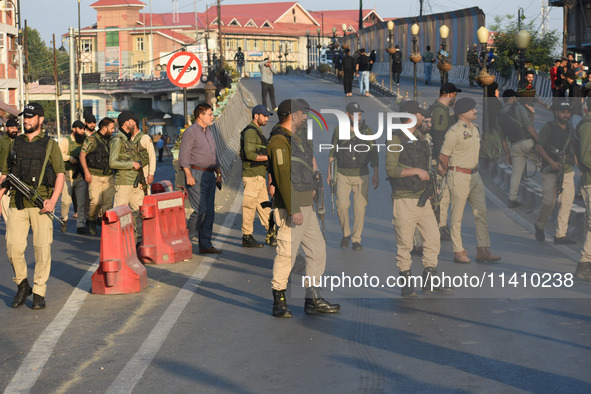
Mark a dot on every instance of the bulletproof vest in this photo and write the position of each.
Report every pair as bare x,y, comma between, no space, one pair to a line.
142,152
128,151
414,155
28,161
397,57
302,172
74,149
261,148
441,122
99,157
277,130
577,143
559,141
510,126
346,155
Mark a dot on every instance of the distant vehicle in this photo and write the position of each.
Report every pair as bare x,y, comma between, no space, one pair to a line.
326,56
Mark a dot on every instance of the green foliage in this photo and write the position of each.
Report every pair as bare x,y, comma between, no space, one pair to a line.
540,53
41,56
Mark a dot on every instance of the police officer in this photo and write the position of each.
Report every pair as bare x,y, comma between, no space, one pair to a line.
90,124
442,56
255,162
352,175
583,134
70,147
459,160
473,63
94,158
147,156
294,215
555,145
408,174
515,126
38,163
11,131
441,121
124,156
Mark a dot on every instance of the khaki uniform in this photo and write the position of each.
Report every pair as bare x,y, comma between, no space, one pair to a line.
254,178
102,188
289,201
550,179
77,186
408,217
123,153
352,180
30,217
149,166
462,145
442,120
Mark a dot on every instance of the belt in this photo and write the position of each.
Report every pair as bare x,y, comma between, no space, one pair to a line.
209,169
464,170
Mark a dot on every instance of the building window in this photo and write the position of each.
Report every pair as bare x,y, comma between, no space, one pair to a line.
256,44
140,67
139,44
112,38
229,44
87,46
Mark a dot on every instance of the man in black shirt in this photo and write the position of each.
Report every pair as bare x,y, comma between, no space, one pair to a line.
362,67
348,64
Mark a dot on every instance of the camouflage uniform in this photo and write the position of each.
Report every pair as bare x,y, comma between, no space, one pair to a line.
473,63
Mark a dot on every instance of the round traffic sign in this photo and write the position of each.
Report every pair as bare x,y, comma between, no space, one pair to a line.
184,69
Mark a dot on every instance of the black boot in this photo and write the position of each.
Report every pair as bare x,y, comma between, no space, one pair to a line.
38,302
409,289
280,305
24,290
583,271
428,274
92,227
316,304
249,242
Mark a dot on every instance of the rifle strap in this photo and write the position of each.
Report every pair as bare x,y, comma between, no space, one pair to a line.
47,150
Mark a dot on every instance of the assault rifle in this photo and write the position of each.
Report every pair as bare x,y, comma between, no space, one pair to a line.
140,178
434,191
27,192
319,199
333,182
560,173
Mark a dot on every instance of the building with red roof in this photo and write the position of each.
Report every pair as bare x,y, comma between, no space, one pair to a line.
141,43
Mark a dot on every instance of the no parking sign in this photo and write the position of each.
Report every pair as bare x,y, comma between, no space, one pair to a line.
184,69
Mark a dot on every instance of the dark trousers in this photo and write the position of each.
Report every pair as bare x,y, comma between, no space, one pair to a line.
348,81
268,88
396,71
202,198
160,152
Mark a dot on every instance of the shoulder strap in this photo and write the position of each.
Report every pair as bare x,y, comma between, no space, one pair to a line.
47,151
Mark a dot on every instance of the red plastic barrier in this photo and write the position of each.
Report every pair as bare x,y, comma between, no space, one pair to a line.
162,187
120,271
166,238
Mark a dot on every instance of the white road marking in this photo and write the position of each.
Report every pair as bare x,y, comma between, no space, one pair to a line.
135,368
25,377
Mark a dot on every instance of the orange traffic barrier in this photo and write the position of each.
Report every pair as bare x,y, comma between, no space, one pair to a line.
120,271
165,234
162,187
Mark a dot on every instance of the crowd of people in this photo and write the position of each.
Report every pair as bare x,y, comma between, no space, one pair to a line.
95,166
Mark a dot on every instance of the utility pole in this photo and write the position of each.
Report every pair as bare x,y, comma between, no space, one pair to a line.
57,93
220,40
79,57
26,76
421,8
72,76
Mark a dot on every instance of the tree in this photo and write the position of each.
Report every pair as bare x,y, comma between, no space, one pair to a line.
539,54
40,58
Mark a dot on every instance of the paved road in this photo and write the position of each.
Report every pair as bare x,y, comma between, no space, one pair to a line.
205,325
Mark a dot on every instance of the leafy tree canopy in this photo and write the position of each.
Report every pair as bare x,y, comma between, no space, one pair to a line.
540,53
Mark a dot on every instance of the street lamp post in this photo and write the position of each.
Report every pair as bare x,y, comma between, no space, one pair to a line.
415,56
308,46
390,45
443,66
483,77
318,46
285,57
522,39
